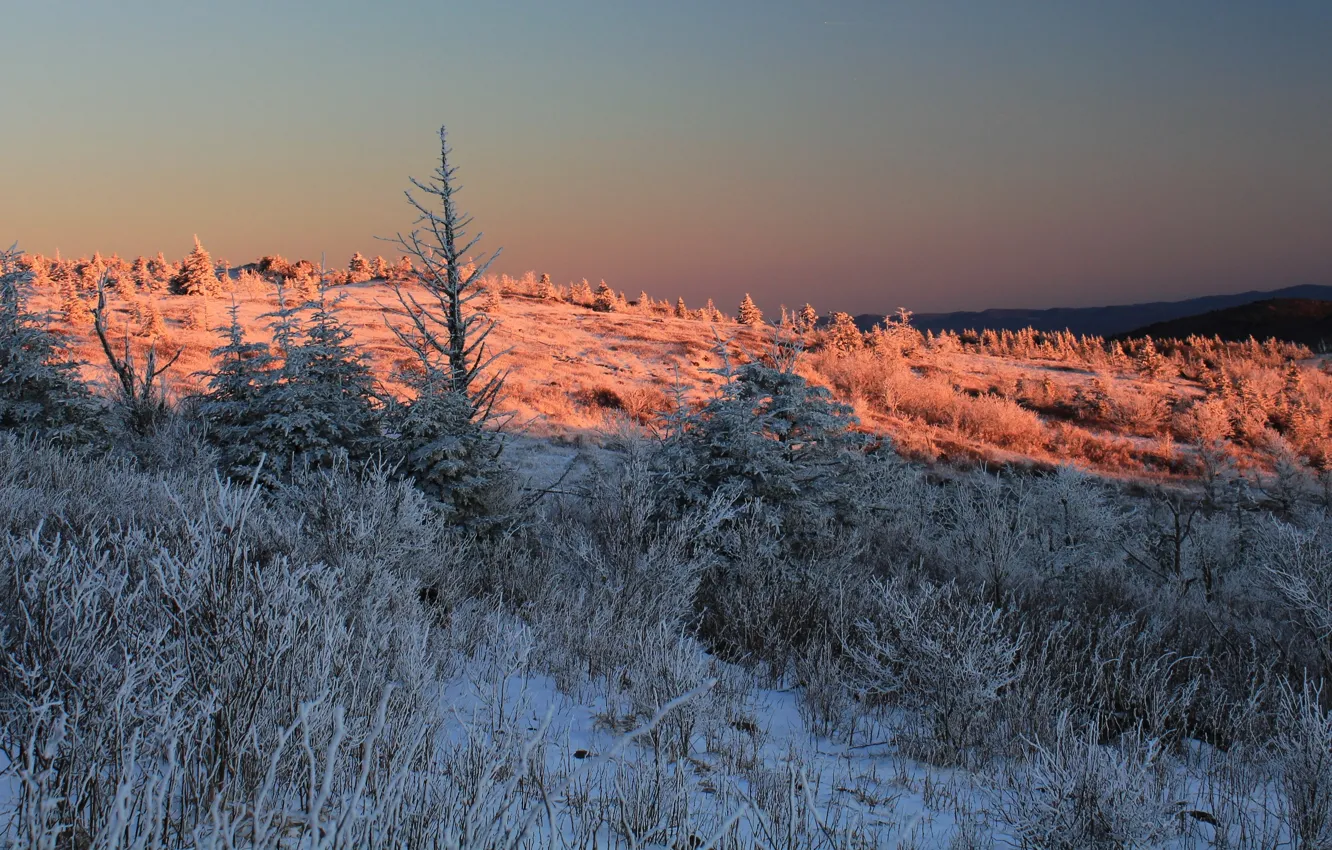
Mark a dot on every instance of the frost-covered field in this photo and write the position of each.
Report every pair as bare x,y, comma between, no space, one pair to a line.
980,661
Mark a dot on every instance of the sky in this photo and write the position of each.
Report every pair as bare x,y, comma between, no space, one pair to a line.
857,154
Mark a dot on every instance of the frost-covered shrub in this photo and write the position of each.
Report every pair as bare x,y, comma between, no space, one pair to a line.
826,704
1299,567
1304,752
627,567
991,535
762,604
665,667
1078,794
1131,676
1001,422
196,645
942,653
1081,525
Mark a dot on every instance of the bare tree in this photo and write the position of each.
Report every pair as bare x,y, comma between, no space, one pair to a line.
447,329
140,393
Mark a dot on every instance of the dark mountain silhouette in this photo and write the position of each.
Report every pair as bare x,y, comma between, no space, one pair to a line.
1102,321
1293,319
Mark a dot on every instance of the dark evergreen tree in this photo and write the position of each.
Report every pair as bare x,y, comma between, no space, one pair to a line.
359,269
197,276
326,396
40,392
749,313
235,403
604,301
807,319
770,436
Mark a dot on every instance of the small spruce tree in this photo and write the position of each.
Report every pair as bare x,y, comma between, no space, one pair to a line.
359,269
236,404
402,270
843,335
749,313
152,325
40,392
443,444
142,274
581,293
807,319
161,270
548,290
326,393
768,436
604,301
197,276
1151,363
73,308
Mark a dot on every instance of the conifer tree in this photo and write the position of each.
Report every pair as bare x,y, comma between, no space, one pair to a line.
1293,391
39,270
359,269
236,405
40,392
491,296
402,270
379,268
443,444
259,403
61,272
1118,359
153,325
767,436
749,313
604,301
843,335
325,394
681,311
142,275
197,276
125,289
87,273
548,290
161,271
581,293
76,311
196,317
1151,364
808,319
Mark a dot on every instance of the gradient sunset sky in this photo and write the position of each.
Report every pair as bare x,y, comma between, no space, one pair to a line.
858,155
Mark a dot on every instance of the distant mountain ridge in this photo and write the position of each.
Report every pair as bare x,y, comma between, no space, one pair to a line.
1099,321
1298,320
